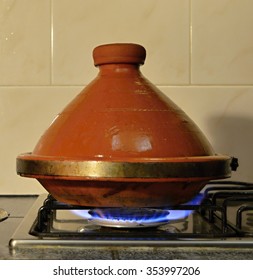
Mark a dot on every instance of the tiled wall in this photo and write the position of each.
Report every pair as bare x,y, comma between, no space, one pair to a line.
199,52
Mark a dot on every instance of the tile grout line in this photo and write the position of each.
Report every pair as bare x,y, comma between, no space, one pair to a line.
51,42
158,85
190,42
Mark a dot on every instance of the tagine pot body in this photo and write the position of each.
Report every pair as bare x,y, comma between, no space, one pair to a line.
122,143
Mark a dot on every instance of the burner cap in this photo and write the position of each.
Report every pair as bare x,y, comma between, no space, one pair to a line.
128,217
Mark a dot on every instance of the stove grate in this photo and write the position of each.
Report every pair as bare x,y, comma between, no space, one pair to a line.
209,219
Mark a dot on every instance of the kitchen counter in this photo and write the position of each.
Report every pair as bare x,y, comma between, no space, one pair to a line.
18,206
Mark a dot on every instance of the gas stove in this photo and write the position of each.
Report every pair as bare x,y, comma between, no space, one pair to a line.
221,215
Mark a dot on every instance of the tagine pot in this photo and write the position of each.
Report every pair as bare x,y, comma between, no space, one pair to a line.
122,143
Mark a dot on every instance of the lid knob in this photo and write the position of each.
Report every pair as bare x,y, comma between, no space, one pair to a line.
119,53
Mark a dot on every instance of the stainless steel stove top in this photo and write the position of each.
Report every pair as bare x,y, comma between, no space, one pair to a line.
223,218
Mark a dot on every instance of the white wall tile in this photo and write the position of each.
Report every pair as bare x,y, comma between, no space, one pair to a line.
24,42
162,27
225,116
25,113
222,42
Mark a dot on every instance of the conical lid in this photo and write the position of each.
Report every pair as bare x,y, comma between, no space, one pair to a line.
121,119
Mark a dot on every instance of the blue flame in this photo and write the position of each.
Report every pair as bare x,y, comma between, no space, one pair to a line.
149,215
82,213
182,214
130,216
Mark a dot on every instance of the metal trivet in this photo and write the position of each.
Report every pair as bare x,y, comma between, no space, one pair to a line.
209,220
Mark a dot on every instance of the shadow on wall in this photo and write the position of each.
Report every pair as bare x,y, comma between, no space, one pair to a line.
233,135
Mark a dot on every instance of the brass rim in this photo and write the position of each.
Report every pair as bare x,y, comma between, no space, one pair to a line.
209,166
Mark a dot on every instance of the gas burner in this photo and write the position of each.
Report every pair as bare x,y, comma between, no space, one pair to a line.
128,217
222,215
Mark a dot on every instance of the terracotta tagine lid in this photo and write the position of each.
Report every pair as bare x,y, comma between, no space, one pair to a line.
122,142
